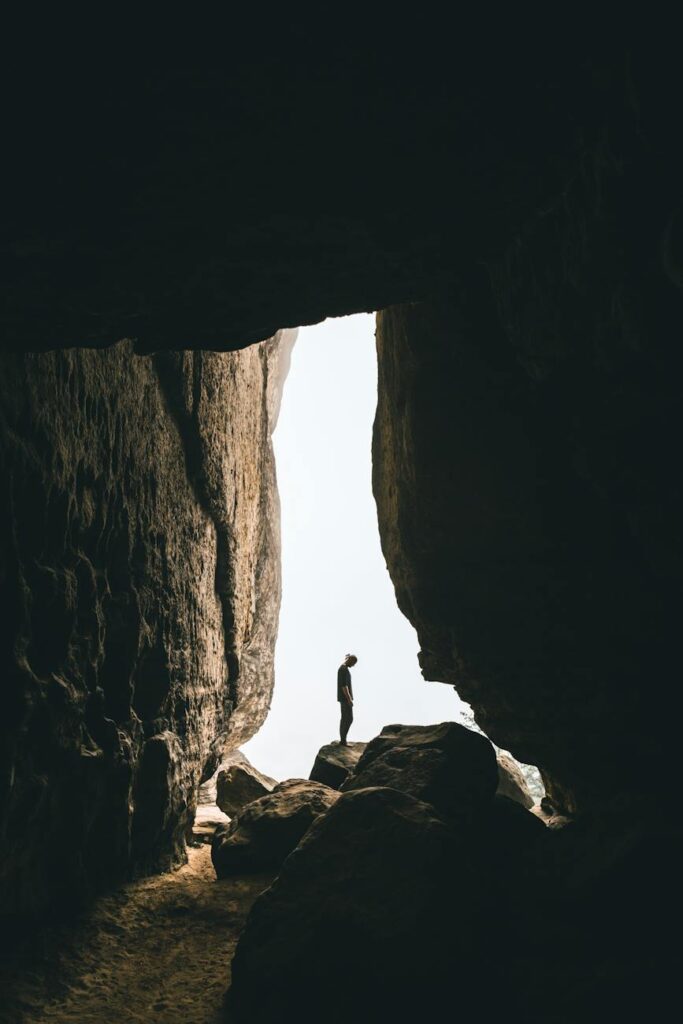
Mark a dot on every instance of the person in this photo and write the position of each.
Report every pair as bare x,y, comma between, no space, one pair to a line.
345,696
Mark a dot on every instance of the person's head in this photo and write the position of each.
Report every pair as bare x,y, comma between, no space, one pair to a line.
350,660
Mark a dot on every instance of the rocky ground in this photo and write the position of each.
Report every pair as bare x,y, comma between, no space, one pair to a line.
156,950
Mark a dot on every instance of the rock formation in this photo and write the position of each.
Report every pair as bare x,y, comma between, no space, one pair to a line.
511,781
517,519
383,890
447,765
141,576
515,213
334,763
238,785
207,792
268,829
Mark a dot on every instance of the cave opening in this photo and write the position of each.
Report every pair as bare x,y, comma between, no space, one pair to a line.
337,595
511,205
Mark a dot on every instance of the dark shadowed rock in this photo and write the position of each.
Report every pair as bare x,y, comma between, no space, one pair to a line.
238,785
334,763
515,840
446,765
268,829
511,781
551,821
160,803
382,908
562,609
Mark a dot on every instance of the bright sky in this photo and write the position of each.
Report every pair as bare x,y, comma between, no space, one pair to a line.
337,595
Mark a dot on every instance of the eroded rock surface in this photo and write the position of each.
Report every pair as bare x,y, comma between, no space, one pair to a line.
446,765
335,762
511,781
141,580
238,785
268,829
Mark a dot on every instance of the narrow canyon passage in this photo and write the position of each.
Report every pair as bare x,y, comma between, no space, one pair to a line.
337,595
158,949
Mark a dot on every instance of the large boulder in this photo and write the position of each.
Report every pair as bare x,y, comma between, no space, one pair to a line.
446,765
511,781
268,829
383,906
240,784
335,762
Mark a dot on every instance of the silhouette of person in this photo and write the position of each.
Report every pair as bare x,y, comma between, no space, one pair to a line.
345,696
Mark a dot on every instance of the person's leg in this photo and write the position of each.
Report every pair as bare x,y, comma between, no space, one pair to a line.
346,719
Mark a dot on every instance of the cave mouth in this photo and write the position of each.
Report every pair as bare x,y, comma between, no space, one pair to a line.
336,592
337,595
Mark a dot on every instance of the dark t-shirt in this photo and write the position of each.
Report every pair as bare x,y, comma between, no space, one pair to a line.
343,679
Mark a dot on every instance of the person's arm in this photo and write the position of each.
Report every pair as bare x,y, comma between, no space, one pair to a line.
346,694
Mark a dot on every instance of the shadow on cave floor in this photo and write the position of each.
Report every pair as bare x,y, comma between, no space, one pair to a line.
158,949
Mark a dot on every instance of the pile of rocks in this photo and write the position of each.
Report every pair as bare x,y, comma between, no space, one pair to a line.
414,879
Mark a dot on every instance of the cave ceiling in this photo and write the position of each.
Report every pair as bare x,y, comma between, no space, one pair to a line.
207,207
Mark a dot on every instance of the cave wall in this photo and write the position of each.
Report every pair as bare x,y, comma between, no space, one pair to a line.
528,197
141,587
524,452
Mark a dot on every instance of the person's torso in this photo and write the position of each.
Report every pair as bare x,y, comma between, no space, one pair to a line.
343,679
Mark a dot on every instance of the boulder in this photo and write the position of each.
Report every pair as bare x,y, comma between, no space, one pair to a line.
268,829
511,781
240,784
383,906
334,763
446,765
206,794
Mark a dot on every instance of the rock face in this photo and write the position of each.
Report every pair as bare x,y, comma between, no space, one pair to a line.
141,577
238,785
381,889
334,763
511,781
518,519
447,765
268,829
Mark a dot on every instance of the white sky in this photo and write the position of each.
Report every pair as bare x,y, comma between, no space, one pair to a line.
337,595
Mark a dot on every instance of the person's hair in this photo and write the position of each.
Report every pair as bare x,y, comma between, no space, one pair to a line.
355,659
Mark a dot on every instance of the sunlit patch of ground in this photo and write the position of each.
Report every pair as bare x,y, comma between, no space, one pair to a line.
157,950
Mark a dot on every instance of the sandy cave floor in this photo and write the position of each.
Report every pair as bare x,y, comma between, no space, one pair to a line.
156,951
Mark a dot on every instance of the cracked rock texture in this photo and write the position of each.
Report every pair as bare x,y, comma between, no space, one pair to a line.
141,582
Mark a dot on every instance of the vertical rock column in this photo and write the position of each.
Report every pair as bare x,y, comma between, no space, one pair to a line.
140,572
